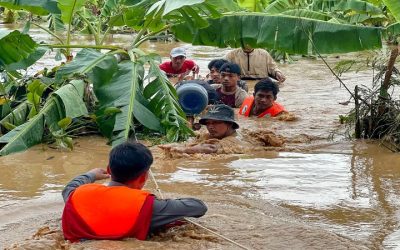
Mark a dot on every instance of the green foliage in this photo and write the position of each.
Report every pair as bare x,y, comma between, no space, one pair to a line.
68,9
32,131
37,7
17,50
122,96
394,7
253,5
34,96
289,34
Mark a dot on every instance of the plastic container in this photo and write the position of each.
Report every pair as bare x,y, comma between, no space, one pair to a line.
193,98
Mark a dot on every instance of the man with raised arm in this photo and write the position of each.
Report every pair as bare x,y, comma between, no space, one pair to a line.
121,208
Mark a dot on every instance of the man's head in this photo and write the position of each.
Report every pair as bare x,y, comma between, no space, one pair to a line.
129,161
220,121
265,93
247,48
177,56
230,74
214,67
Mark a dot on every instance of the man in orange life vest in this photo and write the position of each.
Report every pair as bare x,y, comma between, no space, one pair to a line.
120,209
262,103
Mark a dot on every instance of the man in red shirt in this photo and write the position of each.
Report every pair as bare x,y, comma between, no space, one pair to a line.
179,66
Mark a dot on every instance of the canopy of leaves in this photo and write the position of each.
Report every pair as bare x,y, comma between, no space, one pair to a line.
289,34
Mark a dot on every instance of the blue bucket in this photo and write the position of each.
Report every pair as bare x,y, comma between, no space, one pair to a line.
193,98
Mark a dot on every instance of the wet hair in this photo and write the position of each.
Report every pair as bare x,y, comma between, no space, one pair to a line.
216,63
230,68
128,161
266,84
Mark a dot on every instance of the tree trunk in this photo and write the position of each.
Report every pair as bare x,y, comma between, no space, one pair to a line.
388,75
386,81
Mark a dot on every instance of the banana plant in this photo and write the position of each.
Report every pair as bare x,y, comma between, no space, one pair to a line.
123,99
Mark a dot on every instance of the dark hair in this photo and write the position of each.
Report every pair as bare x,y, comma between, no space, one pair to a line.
266,84
216,63
128,161
230,68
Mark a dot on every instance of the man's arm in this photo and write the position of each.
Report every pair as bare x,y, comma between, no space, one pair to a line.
201,148
273,69
170,210
89,177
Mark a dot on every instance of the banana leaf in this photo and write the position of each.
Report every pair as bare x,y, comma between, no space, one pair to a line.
71,96
109,7
17,116
31,132
392,30
307,14
122,92
288,34
84,62
68,9
358,6
253,5
17,50
30,60
394,7
164,104
38,7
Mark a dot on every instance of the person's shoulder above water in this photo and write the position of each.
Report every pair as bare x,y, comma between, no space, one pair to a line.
87,217
220,123
262,103
179,66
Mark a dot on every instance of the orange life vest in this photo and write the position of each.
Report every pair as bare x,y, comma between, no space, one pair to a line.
95,211
247,105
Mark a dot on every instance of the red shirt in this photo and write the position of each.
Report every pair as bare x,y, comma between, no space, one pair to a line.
167,67
226,99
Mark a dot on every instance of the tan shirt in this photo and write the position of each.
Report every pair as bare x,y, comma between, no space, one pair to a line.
257,64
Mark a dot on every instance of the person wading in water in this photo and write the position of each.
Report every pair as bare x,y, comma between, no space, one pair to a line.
121,208
262,103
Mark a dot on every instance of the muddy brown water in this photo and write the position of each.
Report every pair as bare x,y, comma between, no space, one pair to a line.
320,194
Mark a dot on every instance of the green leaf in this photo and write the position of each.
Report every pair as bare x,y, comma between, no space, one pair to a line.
68,9
31,132
37,7
394,7
34,96
17,116
121,92
30,60
64,123
9,126
307,14
253,5
112,111
84,62
72,98
23,136
27,27
171,5
357,6
17,50
108,7
163,102
284,33
392,30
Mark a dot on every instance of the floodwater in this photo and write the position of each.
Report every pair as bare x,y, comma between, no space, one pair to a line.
321,191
